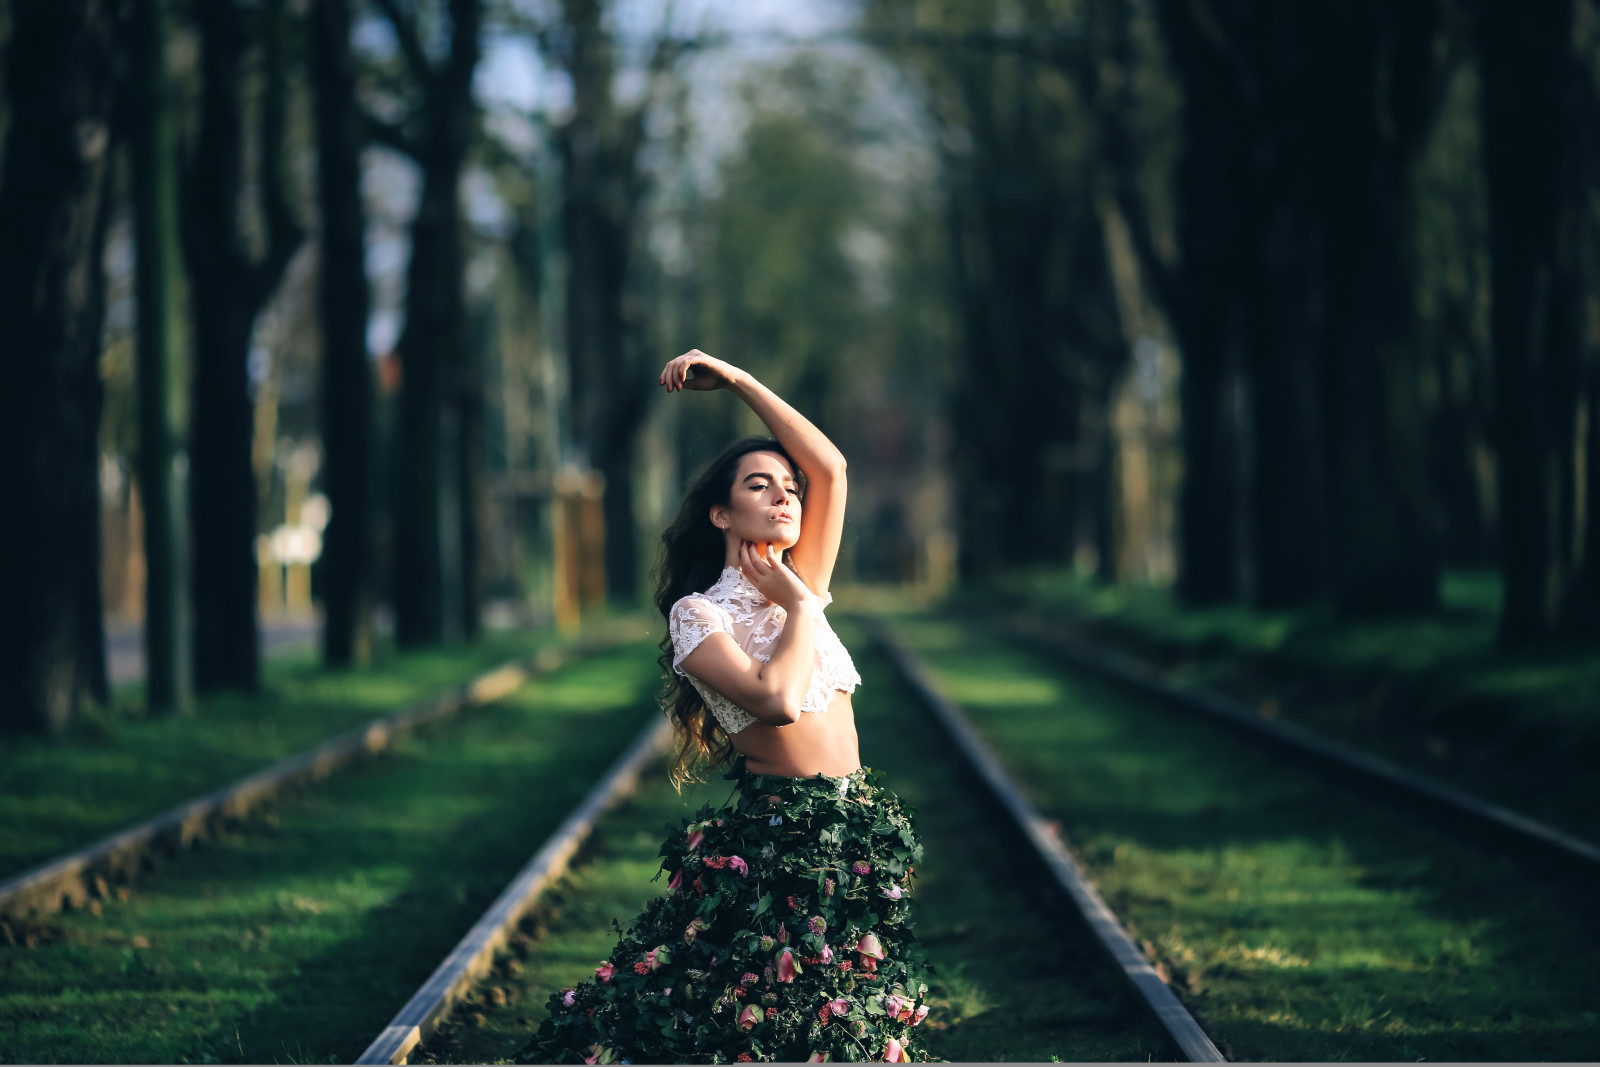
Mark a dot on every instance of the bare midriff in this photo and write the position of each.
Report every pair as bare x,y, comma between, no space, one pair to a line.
818,743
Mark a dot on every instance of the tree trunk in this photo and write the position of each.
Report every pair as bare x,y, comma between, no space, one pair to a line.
53,194
431,348
1287,518
1579,611
595,219
426,349
229,291
1205,304
347,386
161,367
1523,53
1383,72
222,492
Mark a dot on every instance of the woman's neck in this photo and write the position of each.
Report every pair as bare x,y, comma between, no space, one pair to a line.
731,557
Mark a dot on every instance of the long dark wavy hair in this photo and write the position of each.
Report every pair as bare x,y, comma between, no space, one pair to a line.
692,558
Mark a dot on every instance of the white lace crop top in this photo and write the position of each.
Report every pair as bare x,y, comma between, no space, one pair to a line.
734,606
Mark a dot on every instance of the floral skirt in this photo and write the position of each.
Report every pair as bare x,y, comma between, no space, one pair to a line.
785,934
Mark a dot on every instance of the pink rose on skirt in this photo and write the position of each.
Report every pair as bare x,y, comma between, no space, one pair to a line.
869,945
739,865
605,971
749,1017
893,1052
839,1007
919,1015
787,967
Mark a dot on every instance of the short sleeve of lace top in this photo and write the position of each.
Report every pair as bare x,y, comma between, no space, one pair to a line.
692,620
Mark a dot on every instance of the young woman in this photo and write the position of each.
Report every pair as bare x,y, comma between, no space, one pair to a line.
785,932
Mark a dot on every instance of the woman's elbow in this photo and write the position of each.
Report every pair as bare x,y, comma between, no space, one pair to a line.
782,711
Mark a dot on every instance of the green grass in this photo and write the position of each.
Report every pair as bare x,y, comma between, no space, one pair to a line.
1430,691
1016,977
62,794
297,941
1299,919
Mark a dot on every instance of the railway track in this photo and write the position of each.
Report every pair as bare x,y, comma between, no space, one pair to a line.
1451,895
430,1008
292,939
1151,992
96,870
1516,831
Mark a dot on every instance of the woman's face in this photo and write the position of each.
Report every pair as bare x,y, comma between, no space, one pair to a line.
764,506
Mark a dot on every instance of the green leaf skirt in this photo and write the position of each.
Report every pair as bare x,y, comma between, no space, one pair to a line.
785,934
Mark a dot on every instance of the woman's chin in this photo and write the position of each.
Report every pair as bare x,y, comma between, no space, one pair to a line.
783,538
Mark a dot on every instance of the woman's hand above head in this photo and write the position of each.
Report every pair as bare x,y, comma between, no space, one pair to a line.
709,372
772,578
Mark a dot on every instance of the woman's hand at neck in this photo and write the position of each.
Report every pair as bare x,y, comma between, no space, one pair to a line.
765,568
734,555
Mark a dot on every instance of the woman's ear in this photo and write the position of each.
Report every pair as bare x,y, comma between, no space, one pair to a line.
719,516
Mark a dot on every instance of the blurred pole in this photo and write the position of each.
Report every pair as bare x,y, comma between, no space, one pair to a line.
297,571
566,550
592,529
160,366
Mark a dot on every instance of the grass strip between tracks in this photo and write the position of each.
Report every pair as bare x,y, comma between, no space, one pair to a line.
1300,919
113,771
1017,978
1431,691
298,941
1168,1012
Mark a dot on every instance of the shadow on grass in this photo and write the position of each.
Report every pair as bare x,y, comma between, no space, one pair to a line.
1015,975
1302,918
300,942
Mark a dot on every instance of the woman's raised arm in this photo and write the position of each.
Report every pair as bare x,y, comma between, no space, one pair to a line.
822,515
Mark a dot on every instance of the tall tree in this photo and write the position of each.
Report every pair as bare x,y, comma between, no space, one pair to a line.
53,194
1578,613
1314,297
1524,54
160,354
1373,76
230,287
1018,169
603,185
347,386
436,134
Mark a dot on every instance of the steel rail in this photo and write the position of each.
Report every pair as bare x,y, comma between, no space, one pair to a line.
1168,1011
472,957
74,878
1510,825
